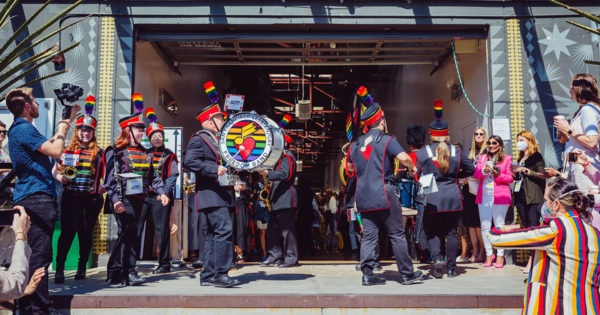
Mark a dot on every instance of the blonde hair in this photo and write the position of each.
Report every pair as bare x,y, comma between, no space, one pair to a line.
442,153
472,154
532,147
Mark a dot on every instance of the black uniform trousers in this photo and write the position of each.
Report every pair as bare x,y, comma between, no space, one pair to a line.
160,217
123,258
78,215
281,237
440,227
197,227
218,247
41,209
393,222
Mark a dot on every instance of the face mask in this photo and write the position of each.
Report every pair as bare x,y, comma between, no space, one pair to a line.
521,145
546,213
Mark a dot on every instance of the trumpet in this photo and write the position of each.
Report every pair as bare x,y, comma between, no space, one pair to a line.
70,172
264,193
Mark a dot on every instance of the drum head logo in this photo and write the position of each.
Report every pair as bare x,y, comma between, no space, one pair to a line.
245,141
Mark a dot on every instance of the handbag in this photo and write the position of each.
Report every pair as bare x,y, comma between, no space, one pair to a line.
473,185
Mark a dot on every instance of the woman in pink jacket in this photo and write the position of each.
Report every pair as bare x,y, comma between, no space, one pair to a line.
493,195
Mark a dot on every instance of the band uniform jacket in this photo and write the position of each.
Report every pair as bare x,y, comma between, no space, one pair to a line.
374,167
449,196
113,194
165,164
203,158
565,272
283,194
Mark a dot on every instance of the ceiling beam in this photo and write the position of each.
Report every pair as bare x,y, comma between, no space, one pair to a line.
314,63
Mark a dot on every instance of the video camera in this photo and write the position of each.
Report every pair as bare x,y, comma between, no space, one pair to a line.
69,94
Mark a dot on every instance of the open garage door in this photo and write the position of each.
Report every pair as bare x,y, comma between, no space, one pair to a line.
277,67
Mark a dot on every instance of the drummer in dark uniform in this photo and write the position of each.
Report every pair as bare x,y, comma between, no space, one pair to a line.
443,208
377,200
204,159
282,247
164,162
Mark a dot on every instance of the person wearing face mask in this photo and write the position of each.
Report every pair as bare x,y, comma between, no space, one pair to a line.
129,176
528,192
81,199
564,274
493,194
164,163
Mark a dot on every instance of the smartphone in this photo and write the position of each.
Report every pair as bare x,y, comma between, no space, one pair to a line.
7,215
497,169
572,157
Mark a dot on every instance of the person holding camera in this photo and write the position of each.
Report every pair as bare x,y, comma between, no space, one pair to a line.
129,176
14,280
80,171
493,193
30,153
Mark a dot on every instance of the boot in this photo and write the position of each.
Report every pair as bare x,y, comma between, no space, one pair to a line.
59,276
80,274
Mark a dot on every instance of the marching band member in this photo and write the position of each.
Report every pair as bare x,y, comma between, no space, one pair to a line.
164,163
204,159
282,247
444,207
129,176
80,172
377,200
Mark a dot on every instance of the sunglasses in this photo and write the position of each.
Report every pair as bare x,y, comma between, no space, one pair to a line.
3,132
492,143
479,134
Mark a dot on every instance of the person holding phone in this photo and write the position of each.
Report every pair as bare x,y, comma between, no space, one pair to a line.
493,194
582,131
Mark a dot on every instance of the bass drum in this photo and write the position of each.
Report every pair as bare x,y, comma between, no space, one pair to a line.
250,142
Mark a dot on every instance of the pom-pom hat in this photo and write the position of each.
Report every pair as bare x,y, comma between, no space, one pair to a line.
136,119
208,112
371,115
286,134
153,120
87,120
438,127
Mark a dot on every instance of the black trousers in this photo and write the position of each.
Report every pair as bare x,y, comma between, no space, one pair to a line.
123,258
330,234
160,217
281,237
197,227
441,228
530,213
218,248
41,209
78,215
392,220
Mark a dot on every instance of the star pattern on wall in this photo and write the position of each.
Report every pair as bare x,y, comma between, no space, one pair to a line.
556,41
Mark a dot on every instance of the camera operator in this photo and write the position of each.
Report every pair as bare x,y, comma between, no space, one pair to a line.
14,280
35,190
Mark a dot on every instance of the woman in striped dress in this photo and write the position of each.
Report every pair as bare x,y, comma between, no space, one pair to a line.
566,264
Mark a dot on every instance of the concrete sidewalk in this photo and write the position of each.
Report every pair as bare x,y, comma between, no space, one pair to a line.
310,278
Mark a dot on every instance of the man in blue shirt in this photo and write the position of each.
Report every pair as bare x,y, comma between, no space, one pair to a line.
30,153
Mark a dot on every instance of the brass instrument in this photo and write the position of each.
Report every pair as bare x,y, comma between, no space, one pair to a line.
264,193
343,176
70,172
